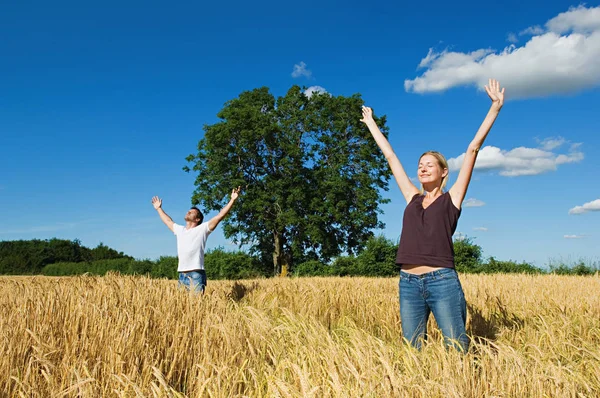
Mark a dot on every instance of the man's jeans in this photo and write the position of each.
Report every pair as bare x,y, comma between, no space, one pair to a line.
193,280
439,292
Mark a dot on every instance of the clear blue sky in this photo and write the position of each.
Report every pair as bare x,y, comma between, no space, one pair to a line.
100,104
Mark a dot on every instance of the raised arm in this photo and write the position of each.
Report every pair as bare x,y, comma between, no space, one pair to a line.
212,224
157,203
459,189
407,188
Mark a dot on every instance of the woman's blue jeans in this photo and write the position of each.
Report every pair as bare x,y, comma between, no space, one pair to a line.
439,292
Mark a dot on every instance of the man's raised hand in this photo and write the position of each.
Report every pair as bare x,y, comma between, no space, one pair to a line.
156,202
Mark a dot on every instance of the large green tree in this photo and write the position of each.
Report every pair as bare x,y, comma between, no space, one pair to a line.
311,174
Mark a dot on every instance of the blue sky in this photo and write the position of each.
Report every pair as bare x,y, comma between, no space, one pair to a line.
100,105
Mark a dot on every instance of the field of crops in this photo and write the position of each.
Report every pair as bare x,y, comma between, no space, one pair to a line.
125,336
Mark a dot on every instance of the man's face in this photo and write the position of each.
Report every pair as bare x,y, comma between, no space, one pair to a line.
192,215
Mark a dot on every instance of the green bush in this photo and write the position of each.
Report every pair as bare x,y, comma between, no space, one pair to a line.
344,266
495,266
578,267
31,256
311,268
165,267
378,258
221,264
140,267
467,256
100,267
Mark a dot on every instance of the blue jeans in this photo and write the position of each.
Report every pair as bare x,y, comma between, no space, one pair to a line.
193,280
439,292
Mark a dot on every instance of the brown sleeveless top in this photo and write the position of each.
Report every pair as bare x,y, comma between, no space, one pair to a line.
427,233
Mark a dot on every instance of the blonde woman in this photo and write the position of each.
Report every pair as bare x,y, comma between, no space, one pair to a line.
428,279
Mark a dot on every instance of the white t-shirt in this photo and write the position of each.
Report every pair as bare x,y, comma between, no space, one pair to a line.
190,246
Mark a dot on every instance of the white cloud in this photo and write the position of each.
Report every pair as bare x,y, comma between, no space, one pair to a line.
577,19
483,229
560,58
550,144
472,202
532,30
521,161
459,236
574,236
314,89
511,37
301,70
594,205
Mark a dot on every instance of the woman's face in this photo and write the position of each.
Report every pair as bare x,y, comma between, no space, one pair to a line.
429,170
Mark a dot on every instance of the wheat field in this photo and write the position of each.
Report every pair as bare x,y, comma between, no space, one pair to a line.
123,336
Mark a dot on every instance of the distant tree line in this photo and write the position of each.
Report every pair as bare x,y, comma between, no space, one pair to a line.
21,257
56,257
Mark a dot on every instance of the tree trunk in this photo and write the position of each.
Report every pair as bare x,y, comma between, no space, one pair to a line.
277,253
282,261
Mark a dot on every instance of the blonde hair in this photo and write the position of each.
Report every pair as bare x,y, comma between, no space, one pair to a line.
441,160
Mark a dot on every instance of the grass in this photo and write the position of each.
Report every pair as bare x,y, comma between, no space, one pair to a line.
125,336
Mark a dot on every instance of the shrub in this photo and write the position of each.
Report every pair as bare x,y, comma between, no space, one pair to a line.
221,264
311,268
467,256
344,266
378,258
495,266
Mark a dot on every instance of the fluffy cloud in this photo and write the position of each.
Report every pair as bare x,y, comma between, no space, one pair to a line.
472,202
522,161
575,236
511,37
532,30
459,236
314,89
301,70
560,58
550,144
594,205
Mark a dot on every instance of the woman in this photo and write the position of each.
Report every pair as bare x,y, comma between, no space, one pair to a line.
428,280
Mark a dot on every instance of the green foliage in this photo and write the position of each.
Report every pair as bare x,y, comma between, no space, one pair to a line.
311,268
143,267
344,266
468,259
495,266
220,264
378,258
578,267
30,256
103,252
312,176
98,267
467,256
165,267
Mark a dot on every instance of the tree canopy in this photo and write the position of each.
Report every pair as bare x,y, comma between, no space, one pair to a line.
312,175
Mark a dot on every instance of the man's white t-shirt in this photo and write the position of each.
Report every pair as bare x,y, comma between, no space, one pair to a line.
190,246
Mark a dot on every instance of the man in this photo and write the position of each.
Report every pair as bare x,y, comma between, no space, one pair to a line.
191,240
